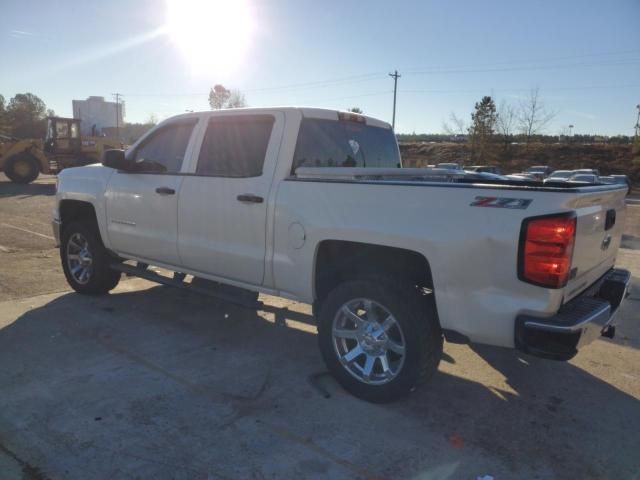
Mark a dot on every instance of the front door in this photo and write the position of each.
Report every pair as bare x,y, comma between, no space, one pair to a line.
222,210
142,206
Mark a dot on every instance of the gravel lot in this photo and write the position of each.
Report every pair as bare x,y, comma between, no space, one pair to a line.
151,382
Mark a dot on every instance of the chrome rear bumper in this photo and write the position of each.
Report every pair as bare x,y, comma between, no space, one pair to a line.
578,322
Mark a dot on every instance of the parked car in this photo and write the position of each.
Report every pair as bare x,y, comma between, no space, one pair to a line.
485,169
622,179
560,175
523,176
592,171
449,166
617,179
584,178
540,171
304,203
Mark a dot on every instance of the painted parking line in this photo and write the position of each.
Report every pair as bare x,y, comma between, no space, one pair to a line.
48,237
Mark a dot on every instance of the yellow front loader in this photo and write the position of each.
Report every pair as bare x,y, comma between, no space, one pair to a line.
63,147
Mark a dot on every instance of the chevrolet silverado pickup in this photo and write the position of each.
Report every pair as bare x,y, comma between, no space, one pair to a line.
314,205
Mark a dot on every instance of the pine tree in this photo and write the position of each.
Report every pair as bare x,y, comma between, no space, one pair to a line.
483,122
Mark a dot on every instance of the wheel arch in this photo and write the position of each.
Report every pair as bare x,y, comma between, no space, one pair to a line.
337,260
71,210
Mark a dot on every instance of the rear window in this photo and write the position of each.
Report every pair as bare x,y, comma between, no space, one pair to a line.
235,146
331,143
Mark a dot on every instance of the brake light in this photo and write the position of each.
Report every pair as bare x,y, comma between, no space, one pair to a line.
546,250
351,117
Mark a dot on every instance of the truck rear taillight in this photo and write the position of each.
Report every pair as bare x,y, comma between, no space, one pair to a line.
546,248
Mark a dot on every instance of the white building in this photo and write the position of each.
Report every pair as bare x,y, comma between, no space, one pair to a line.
95,112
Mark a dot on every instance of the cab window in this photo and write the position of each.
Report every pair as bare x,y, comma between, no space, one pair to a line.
235,146
164,150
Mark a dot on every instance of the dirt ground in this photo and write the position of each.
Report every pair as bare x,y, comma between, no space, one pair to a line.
152,382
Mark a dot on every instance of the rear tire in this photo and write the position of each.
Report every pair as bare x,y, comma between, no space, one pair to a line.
22,168
85,260
413,331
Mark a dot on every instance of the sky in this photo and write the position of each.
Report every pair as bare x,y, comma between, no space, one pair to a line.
163,56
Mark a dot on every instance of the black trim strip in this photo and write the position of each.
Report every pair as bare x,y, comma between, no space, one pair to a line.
186,174
484,185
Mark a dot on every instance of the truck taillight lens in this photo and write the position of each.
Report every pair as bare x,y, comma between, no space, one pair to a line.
546,249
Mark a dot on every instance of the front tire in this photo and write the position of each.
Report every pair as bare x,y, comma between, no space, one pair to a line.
379,338
85,260
22,168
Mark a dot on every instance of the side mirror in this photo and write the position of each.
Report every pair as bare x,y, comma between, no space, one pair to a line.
116,159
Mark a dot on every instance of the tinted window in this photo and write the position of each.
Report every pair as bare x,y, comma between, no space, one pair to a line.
330,143
164,150
235,146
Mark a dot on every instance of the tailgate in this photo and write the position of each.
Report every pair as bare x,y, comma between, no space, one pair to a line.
600,220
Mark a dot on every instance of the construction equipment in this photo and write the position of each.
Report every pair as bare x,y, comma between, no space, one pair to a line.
63,147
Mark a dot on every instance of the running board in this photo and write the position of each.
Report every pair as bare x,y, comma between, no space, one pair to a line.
178,281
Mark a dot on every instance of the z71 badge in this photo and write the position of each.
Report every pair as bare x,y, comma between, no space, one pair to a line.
501,202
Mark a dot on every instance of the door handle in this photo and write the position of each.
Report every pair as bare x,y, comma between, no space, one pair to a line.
250,198
610,219
165,191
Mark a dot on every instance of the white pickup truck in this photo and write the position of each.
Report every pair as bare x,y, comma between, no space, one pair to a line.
313,205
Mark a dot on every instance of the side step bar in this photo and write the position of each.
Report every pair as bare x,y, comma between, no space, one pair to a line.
178,281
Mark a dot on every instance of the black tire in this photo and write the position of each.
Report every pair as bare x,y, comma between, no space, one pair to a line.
416,316
22,168
101,278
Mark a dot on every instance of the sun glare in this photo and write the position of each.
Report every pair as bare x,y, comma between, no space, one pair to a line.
213,35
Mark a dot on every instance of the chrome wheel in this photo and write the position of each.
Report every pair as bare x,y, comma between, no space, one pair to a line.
369,341
79,258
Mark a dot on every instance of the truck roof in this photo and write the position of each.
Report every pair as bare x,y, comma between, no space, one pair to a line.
307,112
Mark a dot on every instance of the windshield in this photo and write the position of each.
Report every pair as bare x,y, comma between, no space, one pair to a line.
566,174
584,178
331,143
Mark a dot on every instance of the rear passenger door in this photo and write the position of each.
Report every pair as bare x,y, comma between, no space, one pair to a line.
223,206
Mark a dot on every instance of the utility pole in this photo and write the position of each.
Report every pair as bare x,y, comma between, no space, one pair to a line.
638,121
395,77
117,95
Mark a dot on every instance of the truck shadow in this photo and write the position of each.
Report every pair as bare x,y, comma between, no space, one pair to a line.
157,373
10,189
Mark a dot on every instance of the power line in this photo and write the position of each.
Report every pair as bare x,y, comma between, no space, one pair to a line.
478,68
321,83
542,60
590,87
523,68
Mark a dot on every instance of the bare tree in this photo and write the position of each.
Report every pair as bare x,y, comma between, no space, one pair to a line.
221,97
506,122
533,117
236,100
455,126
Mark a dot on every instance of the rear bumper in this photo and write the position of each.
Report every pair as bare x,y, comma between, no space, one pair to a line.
578,322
